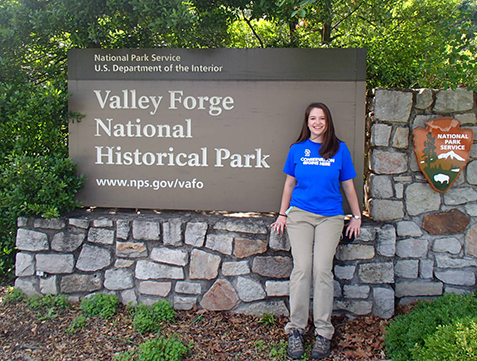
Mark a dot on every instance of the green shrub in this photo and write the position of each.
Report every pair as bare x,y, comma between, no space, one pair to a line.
33,185
131,355
149,319
267,319
36,176
42,185
162,348
159,348
14,295
454,342
54,302
100,305
79,322
407,332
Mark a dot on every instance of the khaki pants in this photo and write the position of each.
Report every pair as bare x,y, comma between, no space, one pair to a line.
313,240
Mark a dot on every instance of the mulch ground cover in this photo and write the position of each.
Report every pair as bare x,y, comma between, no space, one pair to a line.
27,334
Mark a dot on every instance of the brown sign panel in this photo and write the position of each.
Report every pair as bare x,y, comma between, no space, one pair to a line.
442,150
203,129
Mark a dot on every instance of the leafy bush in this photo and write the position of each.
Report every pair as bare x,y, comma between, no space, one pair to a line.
100,305
40,185
454,342
149,319
14,295
55,302
267,319
160,348
36,176
409,332
79,322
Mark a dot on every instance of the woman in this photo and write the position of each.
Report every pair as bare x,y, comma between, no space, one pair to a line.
312,212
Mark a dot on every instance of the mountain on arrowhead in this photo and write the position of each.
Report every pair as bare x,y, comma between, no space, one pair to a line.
452,155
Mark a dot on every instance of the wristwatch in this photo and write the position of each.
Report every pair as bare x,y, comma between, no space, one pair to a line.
356,216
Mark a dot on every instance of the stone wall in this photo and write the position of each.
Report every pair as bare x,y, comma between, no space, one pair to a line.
417,242
217,262
431,237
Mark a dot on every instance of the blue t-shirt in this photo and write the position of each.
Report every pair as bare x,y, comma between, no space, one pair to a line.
318,180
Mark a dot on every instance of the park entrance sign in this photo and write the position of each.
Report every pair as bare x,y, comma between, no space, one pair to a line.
203,129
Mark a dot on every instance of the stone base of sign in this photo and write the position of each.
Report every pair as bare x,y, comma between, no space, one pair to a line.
216,262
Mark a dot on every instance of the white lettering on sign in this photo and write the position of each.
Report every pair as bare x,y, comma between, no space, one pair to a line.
114,155
128,100
452,136
241,160
215,104
138,130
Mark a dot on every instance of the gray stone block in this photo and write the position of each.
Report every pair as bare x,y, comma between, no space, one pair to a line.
176,257
249,290
456,277
172,232
392,105
101,235
146,270
353,252
32,240
222,243
412,248
146,230
53,263
376,273
93,258
77,283
24,264
418,288
118,279
231,269
204,265
383,302
195,233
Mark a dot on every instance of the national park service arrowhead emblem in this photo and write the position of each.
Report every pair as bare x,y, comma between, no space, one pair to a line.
442,150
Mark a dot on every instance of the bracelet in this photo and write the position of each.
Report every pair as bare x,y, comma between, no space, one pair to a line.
283,215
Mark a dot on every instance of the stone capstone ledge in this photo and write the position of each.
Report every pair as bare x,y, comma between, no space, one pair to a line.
216,262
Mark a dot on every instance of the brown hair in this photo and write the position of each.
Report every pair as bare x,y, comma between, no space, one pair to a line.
331,143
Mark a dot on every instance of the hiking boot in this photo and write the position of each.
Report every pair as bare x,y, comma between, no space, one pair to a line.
321,349
295,345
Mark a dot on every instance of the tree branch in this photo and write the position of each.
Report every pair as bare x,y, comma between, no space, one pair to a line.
249,23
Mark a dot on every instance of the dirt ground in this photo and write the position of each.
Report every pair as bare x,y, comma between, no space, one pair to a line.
30,335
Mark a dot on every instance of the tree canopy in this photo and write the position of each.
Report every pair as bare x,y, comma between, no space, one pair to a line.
411,43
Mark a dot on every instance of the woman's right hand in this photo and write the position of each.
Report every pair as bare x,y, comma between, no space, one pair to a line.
280,224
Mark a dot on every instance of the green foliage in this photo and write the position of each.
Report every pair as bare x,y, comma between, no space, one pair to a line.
279,351
14,295
47,306
162,348
159,348
79,322
55,302
100,305
42,185
131,355
36,177
411,331
267,319
148,319
454,342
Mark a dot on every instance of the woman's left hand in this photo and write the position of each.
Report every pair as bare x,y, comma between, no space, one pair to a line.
354,228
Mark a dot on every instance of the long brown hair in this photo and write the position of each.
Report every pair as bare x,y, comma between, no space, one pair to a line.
331,143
